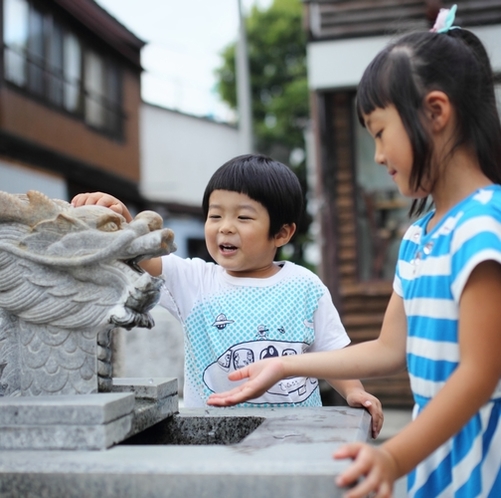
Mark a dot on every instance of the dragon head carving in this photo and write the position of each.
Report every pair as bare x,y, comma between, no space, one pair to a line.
68,276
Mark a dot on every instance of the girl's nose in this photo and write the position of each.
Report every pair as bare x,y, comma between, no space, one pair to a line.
379,156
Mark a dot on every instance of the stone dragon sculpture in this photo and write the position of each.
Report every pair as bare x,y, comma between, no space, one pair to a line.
68,277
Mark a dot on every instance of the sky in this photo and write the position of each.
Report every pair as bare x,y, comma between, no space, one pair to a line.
184,41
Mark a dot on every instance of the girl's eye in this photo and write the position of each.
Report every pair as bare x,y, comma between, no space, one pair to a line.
244,218
378,134
214,216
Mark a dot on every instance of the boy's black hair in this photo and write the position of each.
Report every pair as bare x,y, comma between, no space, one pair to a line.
456,63
264,180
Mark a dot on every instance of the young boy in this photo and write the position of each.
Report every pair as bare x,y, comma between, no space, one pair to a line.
247,306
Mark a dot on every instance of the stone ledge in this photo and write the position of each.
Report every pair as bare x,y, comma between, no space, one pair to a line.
87,421
60,422
150,388
288,456
74,409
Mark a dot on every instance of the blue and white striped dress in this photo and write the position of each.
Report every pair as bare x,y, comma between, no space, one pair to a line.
432,271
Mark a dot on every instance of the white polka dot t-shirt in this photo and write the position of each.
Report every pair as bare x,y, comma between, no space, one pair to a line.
230,322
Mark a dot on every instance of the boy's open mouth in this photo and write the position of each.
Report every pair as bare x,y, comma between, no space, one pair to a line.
227,248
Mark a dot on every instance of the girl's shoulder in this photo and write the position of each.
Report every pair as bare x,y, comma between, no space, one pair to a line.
484,202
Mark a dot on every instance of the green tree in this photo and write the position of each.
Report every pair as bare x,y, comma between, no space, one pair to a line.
276,43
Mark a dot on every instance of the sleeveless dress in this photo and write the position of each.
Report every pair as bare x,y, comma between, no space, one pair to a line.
432,271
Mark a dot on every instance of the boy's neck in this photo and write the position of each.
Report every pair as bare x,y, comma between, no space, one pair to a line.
264,272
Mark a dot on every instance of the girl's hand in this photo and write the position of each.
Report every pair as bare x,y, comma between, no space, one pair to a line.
360,398
376,465
262,375
102,199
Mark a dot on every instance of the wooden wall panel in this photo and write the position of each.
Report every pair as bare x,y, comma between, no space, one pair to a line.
332,19
361,304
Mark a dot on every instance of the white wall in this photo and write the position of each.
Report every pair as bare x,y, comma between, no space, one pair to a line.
17,179
341,63
179,153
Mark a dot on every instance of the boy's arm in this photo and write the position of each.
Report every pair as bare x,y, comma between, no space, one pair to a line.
356,396
102,199
152,266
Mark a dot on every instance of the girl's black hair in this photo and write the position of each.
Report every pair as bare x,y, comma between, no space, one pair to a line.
264,180
456,63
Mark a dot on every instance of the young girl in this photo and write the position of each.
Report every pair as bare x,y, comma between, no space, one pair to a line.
428,101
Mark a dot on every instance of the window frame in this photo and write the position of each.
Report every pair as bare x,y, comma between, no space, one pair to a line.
110,106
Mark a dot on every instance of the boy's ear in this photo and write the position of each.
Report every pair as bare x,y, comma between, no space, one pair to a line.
285,234
438,110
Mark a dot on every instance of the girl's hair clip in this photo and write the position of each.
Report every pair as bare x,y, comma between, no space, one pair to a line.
444,21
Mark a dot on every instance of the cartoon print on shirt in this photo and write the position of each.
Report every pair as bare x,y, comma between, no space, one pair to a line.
291,390
242,357
281,330
307,323
221,321
262,332
269,352
224,360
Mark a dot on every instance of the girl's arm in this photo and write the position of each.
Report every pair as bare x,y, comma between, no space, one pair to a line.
383,356
152,266
464,393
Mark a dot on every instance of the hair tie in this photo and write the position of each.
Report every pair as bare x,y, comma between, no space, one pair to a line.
444,21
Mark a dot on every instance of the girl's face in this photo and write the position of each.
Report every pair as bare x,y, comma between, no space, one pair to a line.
393,147
237,235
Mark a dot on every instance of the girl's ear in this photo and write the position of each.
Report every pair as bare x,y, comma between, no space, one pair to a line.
438,110
285,234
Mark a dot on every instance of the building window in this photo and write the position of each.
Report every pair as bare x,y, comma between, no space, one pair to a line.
94,89
50,62
72,64
16,39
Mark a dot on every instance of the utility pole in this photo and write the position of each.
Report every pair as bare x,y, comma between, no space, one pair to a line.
244,96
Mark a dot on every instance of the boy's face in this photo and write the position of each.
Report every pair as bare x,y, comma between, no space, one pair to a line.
237,235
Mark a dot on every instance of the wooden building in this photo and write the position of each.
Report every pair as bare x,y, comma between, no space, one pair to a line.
69,97
361,215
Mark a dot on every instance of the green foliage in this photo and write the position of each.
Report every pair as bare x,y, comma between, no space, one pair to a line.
276,43
277,59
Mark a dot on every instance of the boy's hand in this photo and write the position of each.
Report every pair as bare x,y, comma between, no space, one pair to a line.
375,464
154,265
360,398
262,375
102,199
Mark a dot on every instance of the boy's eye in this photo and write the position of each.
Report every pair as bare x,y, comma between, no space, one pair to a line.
378,134
214,216
244,218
